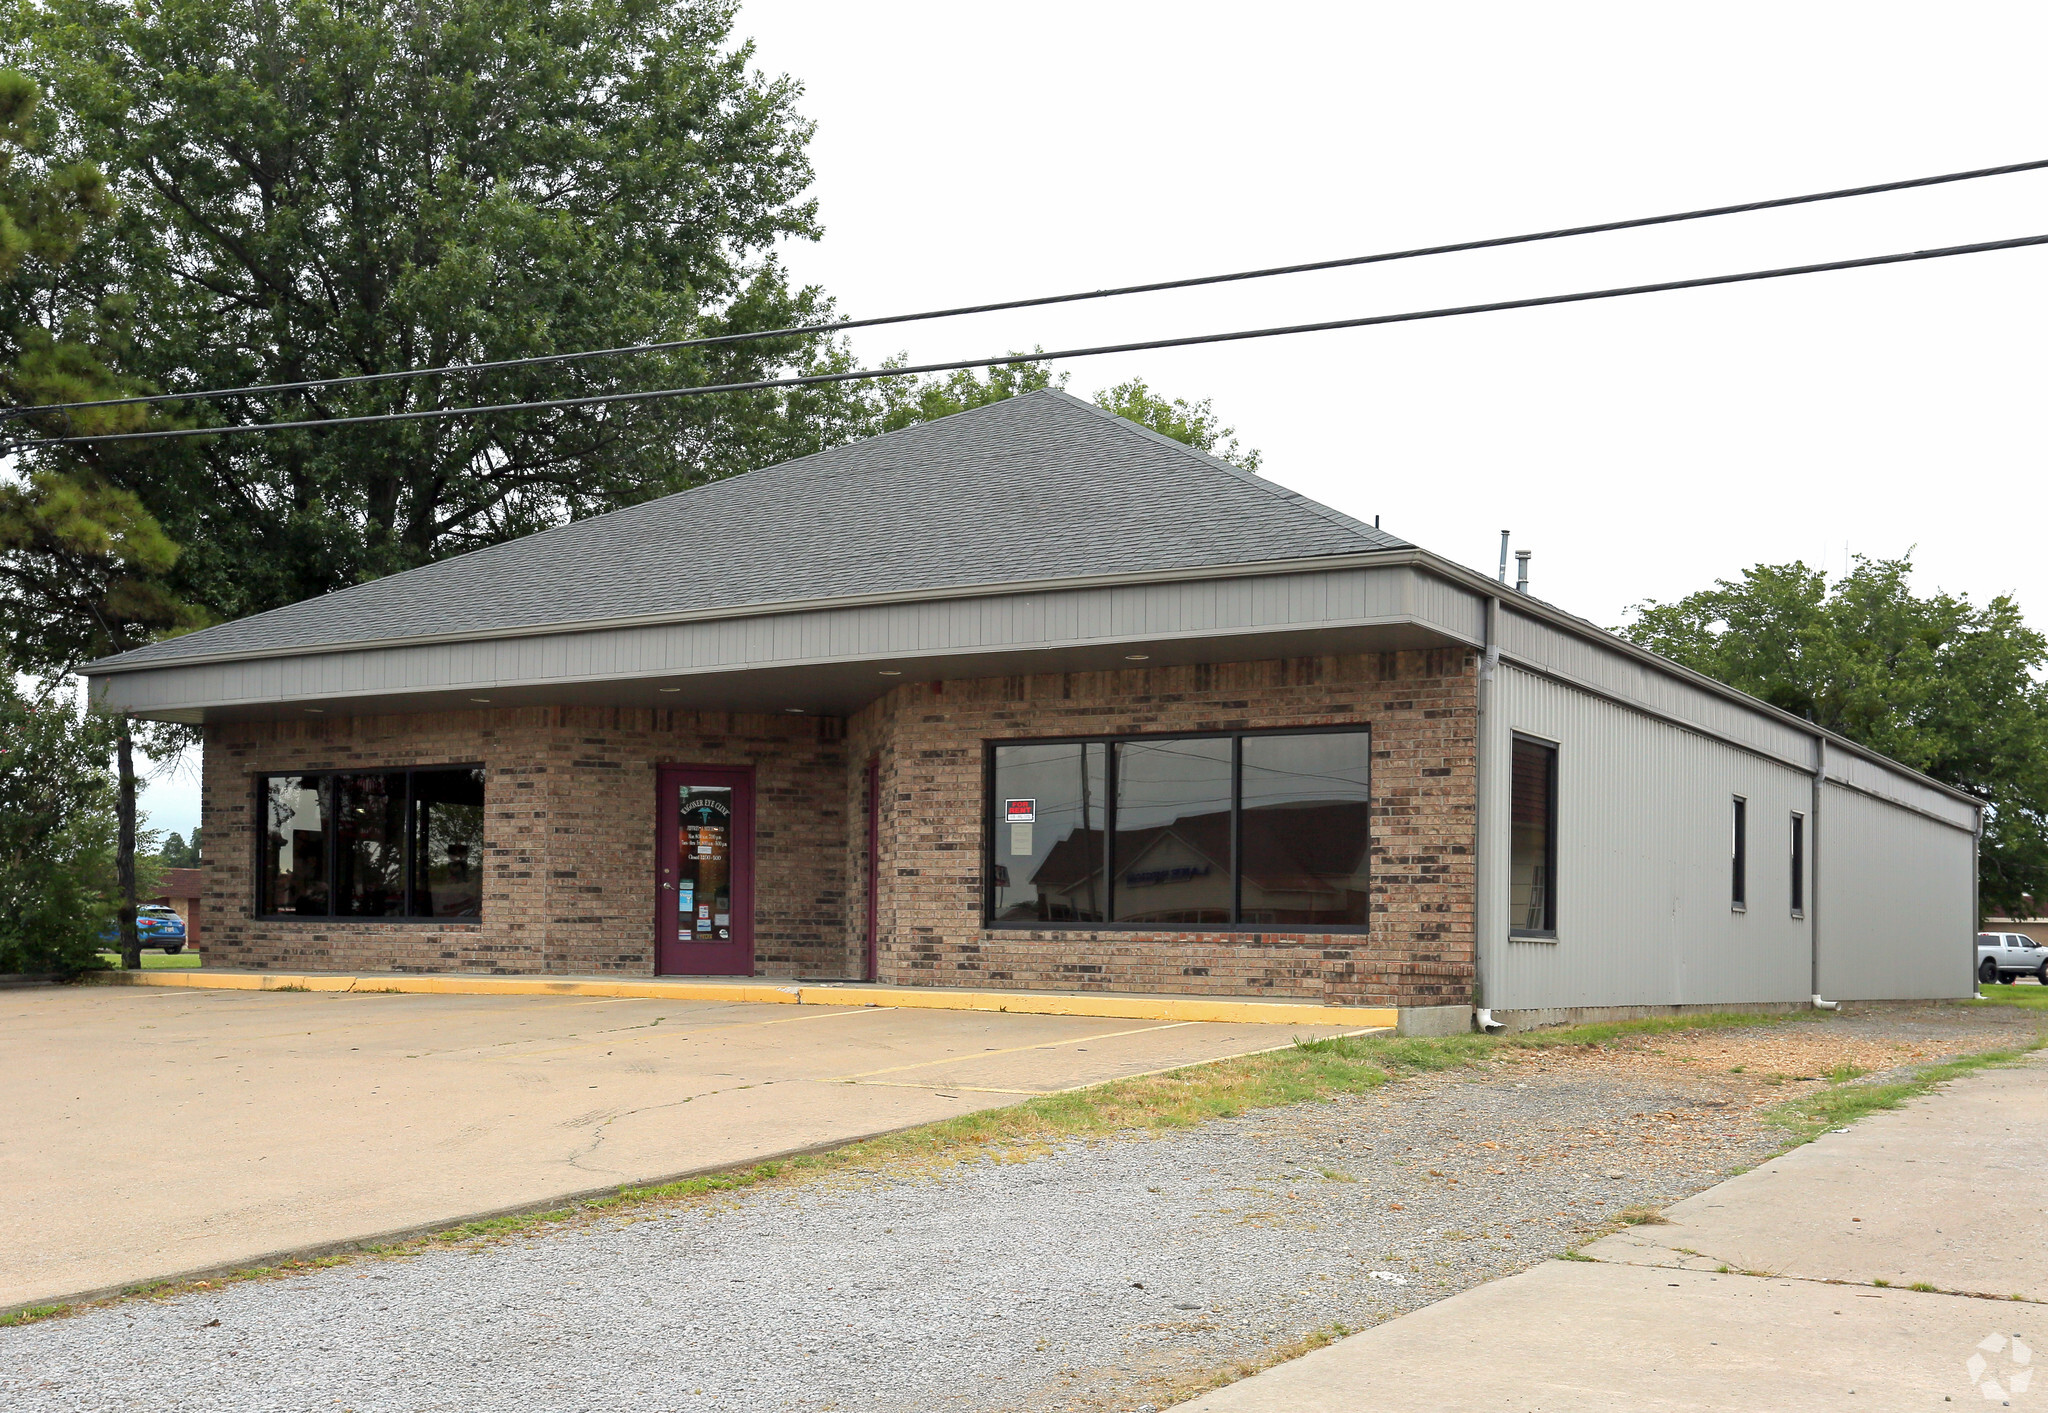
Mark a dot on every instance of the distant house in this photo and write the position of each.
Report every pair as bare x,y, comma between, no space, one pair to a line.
180,889
1033,697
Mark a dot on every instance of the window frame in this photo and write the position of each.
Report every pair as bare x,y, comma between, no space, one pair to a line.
990,853
259,840
1738,854
1556,750
1799,864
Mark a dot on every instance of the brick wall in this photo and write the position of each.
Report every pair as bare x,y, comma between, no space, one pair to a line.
928,740
570,833
569,837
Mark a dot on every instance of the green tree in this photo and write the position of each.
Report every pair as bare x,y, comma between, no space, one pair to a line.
58,892
1944,685
81,560
176,852
896,403
311,190
1191,422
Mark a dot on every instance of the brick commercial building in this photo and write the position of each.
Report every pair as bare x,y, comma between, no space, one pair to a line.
1031,697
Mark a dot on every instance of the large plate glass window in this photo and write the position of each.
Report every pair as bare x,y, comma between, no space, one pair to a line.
372,844
1224,830
1307,816
1049,855
1173,847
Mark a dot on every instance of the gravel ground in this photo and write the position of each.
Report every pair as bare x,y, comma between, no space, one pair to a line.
1095,1276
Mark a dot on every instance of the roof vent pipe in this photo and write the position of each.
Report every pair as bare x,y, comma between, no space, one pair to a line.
1521,571
1503,556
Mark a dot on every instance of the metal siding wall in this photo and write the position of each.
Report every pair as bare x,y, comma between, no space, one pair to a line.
1617,673
1644,814
1870,776
1898,909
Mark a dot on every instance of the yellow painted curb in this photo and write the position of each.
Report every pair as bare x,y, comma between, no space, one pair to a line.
1165,1008
444,985
1168,1008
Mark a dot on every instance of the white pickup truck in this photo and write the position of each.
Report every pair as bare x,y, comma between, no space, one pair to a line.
2008,956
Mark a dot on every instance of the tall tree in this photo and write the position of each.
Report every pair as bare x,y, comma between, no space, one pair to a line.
81,560
897,402
1944,685
57,834
312,190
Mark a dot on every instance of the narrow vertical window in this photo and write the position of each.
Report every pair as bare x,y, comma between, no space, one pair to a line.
1532,886
1738,892
1798,864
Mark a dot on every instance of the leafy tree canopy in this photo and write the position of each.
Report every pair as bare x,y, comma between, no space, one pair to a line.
896,403
176,852
1944,685
57,834
312,191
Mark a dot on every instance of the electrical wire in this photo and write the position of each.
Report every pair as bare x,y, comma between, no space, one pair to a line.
1039,301
1009,359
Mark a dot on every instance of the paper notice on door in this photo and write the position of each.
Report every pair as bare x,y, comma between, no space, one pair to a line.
1020,840
722,919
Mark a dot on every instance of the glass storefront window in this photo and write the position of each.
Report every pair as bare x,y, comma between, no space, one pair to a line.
369,844
1234,830
295,844
1173,854
1307,813
1050,805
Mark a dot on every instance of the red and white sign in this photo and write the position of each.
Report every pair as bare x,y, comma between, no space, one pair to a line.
1020,811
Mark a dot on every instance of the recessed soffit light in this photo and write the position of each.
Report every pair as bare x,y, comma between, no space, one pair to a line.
1137,657
891,672
671,689
485,700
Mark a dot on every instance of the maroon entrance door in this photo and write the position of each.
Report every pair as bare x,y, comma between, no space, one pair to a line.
704,923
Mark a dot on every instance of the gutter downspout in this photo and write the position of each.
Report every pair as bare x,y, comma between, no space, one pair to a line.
1976,898
1820,781
1482,816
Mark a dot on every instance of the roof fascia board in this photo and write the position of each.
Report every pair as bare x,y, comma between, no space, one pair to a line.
1390,558
1586,629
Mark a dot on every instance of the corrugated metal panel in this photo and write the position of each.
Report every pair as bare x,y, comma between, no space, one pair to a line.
1898,910
1281,602
1644,831
1900,788
1591,662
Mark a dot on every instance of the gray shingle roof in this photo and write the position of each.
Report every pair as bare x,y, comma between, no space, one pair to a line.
1043,486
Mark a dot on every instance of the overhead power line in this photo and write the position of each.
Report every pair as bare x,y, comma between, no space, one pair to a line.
1039,301
958,364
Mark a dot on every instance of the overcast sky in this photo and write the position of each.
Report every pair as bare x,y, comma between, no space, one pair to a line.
1641,448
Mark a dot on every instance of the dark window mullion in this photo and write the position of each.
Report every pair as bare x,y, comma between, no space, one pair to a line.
1236,830
330,829
1109,861
407,851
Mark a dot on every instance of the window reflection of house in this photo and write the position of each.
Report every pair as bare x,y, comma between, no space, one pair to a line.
1303,864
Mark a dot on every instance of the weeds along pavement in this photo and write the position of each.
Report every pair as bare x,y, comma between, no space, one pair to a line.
1116,1249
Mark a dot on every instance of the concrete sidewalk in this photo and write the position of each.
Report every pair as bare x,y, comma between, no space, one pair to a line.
1946,1192
153,1132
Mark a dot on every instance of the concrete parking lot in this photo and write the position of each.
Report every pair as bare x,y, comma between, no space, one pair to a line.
154,1133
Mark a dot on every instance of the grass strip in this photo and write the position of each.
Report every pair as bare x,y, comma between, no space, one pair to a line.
1844,1102
155,961
1304,1072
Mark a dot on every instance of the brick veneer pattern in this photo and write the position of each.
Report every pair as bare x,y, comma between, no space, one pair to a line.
568,837
928,740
